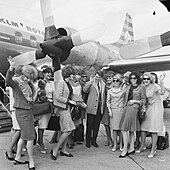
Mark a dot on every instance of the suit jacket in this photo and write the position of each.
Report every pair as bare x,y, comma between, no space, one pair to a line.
61,94
138,94
19,99
93,97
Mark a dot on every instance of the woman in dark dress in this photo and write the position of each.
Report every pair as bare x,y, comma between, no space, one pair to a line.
24,94
135,97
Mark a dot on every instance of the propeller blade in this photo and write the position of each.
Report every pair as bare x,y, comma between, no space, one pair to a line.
28,57
47,13
140,47
88,34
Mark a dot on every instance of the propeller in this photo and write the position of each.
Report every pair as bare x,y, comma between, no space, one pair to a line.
144,46
28,57
59,42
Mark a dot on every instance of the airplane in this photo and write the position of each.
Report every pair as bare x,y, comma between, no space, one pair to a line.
65,45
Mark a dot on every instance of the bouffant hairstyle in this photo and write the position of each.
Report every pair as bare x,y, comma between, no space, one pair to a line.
67,71
119,77
78,70
137,75
18,70
100,73
148,75
30,71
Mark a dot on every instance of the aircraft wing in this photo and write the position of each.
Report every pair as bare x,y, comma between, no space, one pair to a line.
149,63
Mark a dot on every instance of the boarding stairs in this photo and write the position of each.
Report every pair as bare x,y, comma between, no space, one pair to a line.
5,114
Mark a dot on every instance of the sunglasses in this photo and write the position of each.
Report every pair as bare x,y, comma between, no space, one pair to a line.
133,78
83,76
146,78
116,80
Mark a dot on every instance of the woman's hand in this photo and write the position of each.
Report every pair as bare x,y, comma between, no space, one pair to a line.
131,102
72,102
110,114
162,77
11,61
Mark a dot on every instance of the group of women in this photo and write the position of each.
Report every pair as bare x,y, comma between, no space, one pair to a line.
123,102
68,94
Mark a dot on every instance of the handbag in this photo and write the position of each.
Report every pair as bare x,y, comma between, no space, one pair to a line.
42,108
166,103
75,113
54,123
141,114
163,142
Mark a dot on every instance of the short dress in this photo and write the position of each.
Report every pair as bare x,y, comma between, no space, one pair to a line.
130,120
154,113
115,100
66,122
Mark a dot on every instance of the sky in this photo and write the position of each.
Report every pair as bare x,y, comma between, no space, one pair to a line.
81,14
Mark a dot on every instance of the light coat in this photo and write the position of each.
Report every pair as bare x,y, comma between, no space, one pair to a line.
93,97
61,94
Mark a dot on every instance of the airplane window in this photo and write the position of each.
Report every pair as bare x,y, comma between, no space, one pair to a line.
33,41
18,37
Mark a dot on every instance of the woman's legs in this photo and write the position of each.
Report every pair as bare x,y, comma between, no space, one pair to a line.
114,139
154,143
40,139
30,153
108,134
14,140
61,141
120,139
143,139
137,142
125,141
19,149
132,141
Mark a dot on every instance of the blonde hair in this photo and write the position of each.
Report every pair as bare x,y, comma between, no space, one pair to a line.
31,71
148,74
119,77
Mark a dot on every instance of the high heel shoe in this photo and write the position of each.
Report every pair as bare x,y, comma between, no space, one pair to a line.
52,156
151,155
66,154
140,150
131,153
123,156
32,168
9,158
16,162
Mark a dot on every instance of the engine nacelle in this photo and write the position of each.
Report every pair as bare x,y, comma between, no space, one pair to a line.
66,31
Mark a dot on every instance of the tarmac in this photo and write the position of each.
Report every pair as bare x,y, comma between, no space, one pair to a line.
101,158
